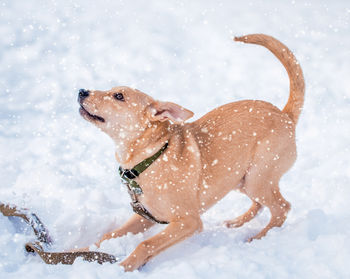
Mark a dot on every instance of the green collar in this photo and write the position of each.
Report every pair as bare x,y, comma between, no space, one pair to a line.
128,175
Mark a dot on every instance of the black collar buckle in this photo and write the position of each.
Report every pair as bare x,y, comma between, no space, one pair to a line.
130,174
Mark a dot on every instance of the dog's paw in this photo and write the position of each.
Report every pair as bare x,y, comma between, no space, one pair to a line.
130,264
250,239
236,223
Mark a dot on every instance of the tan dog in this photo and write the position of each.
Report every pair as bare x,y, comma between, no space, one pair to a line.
246,146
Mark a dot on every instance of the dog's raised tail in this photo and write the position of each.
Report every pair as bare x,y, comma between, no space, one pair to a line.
287,58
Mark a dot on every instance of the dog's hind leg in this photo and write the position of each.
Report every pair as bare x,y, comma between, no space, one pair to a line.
246,217
279,209
264,190
262,182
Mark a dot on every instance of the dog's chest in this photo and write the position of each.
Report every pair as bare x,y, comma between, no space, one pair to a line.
169,186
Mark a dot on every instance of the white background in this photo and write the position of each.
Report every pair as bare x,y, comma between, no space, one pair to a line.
63,168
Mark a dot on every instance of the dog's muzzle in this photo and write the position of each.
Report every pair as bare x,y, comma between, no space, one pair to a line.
83,93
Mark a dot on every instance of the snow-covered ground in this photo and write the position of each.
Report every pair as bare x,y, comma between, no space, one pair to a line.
63,168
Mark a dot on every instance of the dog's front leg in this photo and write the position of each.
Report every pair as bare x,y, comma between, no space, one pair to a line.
174,232
135,225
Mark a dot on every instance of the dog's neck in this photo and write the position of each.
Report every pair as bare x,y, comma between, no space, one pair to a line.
130,152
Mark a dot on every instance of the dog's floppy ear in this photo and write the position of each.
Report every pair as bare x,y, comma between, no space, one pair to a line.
163,111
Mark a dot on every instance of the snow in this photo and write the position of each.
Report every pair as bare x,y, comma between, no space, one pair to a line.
63,168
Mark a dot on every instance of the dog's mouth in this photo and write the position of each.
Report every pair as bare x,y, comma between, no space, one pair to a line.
84,113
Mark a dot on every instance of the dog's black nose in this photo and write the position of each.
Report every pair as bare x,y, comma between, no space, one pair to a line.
83,93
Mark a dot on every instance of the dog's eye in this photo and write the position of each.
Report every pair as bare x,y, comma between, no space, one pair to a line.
119,96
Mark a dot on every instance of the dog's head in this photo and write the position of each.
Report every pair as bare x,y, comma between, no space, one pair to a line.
125,112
